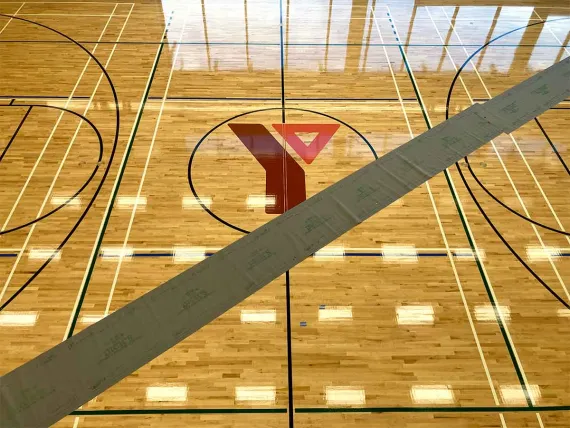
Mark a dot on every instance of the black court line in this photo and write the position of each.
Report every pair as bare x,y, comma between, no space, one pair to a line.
356,254
176,411
291,410
85,183
468,235
107,168
188,98
474,198
192,159
459,255
396,409
119,179
494,228
155,98
552,145
15,133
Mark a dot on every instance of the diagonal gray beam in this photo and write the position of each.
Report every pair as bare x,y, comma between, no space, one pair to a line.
52,385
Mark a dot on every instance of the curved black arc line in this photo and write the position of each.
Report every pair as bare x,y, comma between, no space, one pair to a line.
480,208
554,149
105,173
479,49
195,150
99,137
5,150
505,242
497,200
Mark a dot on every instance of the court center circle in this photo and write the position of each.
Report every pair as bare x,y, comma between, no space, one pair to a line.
201,199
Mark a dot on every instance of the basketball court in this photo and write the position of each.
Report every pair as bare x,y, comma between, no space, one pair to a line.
137,139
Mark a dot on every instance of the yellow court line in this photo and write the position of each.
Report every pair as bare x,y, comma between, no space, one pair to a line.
147,162
448,251
510,179
482,264
547,25
11,19
32,228
110,200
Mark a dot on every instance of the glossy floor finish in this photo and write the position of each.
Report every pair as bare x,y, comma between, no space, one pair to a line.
419,317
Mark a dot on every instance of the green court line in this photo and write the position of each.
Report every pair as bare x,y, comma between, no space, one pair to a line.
111,412
472,245
115,192
497,409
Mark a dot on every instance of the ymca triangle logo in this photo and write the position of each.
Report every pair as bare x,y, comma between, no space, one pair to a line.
307,152
285,177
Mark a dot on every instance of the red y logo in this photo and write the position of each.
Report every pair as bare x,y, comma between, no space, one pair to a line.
285,179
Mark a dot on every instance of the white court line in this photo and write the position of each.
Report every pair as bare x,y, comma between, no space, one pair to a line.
147,162
32,228
472,238
11,19
447,248
109,205
519,197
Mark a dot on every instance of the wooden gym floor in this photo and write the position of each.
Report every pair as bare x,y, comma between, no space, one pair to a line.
420,317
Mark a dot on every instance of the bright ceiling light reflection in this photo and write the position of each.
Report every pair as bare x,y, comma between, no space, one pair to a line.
486,313
469,254
432,394
129,202
67,200
330,253
260,201
514,394
345,396
117,252
335,313
166,393
44,254
400,253
18,319
258,316
415,315
193,203
538,254
255,394
91,319
189,254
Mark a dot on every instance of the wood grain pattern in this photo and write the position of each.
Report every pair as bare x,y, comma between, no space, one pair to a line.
345,62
